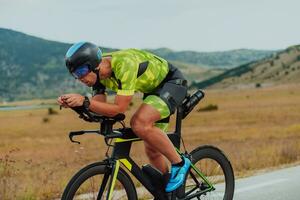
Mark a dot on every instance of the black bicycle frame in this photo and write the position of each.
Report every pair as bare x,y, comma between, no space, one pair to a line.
123,139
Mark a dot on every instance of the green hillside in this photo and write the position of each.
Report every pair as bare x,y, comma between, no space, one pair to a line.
222,59
32,67
283,67
194,72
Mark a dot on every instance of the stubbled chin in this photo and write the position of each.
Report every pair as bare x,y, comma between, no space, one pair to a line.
88,84
92,83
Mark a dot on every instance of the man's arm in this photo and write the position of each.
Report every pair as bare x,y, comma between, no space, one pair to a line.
111,109
126,78
99,97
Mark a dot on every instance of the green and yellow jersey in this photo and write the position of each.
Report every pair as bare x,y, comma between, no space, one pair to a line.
135,70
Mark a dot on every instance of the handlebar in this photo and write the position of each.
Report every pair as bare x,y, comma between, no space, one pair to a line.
114,134
75,133
90,116
105,121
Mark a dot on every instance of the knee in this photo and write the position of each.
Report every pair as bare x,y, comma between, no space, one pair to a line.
140,126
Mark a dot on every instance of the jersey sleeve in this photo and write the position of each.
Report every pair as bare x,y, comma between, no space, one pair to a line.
126,75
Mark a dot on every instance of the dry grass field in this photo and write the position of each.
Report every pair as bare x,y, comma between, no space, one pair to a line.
256,128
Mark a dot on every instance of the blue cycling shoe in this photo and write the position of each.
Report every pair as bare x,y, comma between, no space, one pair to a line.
178,174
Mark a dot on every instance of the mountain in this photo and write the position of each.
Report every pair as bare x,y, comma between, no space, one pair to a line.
194,72
32,67
222,59
282,67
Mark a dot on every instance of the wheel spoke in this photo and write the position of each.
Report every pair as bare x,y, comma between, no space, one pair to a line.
87,186
213,165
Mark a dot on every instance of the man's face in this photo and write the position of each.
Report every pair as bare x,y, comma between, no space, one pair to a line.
89,79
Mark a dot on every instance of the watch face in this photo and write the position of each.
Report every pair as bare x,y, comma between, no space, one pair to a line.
86,102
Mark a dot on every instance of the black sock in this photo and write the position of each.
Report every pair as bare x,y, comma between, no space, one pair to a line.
165,178
180,164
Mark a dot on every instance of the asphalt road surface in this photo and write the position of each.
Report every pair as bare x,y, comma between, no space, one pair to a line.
282,184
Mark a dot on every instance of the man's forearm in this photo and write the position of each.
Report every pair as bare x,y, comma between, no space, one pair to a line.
104,108
100,97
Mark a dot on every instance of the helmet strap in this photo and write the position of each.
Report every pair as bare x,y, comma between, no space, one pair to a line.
98,77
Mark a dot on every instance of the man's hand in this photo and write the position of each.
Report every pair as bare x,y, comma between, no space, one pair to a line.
62,102
71,100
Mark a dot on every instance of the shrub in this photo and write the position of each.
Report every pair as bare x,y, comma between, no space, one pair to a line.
288,153
284,66
46,119
210,107
51,111
257,85
8,170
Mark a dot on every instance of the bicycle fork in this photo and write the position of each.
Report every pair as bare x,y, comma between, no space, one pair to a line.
110,174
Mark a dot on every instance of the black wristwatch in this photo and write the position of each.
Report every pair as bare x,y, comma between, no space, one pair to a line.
86,103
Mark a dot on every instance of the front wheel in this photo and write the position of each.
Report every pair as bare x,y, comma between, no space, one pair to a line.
211,176
91,183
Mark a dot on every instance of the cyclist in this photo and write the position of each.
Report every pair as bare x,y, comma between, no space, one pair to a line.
125,72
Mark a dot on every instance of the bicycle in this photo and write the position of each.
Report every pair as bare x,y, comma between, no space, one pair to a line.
107,180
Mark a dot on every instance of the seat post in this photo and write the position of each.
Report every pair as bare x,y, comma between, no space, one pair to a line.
177,134
106,127
178,120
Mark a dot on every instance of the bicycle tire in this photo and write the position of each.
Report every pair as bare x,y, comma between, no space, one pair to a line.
215,154
99,168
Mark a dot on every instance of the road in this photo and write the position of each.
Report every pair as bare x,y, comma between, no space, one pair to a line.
282,184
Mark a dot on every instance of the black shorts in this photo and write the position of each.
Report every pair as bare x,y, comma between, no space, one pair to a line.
172,90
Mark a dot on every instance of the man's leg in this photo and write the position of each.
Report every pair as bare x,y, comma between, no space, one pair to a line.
142,123
152,110
156,159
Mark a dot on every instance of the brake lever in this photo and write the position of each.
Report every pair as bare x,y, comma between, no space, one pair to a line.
72,134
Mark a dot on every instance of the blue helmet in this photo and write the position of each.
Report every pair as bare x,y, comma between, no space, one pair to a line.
83,53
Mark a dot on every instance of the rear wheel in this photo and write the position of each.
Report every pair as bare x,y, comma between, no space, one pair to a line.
86,184
217,170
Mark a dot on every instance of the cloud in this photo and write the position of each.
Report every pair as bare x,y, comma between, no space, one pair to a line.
195,24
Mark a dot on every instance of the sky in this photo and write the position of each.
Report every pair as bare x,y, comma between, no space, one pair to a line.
200,25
